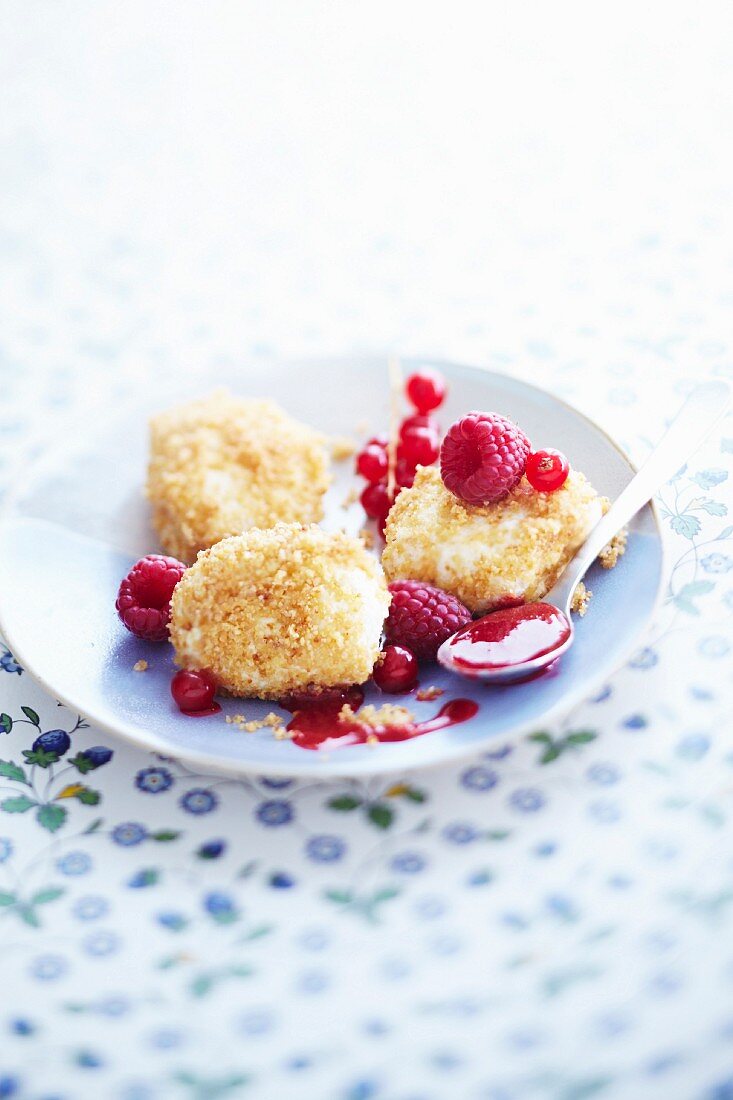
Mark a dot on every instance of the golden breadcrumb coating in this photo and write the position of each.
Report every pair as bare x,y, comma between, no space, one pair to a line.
222,464
515,548
614,550
273,611
581,599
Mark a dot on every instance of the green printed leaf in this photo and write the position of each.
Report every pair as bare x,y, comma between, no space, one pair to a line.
49,894
543,737
10,770
344,803
341,897
380,815
95,825
88,797
497,834
582,737
551,753
29,916
6,723
31,715
725,534
82,763
17,805
415,795
685,525
7,899
386,894
51,817
164,835
686,595
40,757
714,507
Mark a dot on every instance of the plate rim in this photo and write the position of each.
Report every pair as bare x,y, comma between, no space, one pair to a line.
368,766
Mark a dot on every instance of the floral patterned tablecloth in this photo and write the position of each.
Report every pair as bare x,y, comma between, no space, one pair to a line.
552,918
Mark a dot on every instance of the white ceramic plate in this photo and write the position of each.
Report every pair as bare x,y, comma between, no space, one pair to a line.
71,531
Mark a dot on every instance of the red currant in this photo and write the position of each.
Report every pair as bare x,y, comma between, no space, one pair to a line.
426,390
547,470
193,690
378,441
419,420
396,670
419,446
372,463
376,502
404,474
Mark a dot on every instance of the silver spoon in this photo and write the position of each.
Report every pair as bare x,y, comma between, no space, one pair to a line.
706,405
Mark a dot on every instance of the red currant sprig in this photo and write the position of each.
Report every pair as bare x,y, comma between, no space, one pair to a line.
418,445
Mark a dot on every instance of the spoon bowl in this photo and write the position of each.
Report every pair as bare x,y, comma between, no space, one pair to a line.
704,407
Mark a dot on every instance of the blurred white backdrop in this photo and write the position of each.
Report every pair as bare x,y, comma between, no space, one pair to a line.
542,188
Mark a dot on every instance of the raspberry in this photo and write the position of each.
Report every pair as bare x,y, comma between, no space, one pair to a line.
422,617
143,599
483,456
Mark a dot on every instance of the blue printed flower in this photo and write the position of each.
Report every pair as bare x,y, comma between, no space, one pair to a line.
325,849
98,755
219,904
57,741
101,944
429,908
314,981
693,746
635,722
174,922
9,664
646,658
9,1086
408,863
545,849
527,800
6,848
479,778
603,774
717,563
275,783
275,812
199,801
22,1026
74,863
604,812
460,832
90,908
714,647
87,1059
256,1021
153,780
499,754
166,1039
708,479
281,880
47,968
128,834
211,849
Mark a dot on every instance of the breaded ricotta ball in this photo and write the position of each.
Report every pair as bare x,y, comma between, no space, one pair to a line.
273,611
221,464
487,555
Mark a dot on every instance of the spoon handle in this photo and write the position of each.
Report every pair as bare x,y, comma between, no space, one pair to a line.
707,404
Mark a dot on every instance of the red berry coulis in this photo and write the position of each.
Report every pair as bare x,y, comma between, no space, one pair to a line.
320,727
509,637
